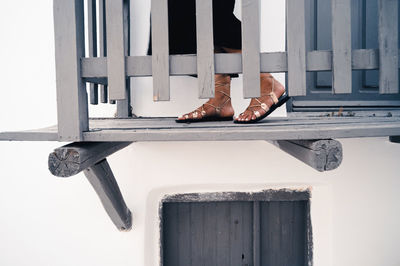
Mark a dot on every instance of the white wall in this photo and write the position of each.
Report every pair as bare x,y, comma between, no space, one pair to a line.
49,221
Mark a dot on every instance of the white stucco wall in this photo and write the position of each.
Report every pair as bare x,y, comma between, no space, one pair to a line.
49,221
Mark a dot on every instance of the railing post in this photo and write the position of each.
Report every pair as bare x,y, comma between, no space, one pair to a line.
124,106
103,45
296,47
72,103
388,46
92,34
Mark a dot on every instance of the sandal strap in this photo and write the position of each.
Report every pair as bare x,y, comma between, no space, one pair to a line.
217,108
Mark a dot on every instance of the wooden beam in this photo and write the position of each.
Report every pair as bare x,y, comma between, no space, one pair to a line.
72,102
205,48
73,158
103,181
140,66
388,11
322,155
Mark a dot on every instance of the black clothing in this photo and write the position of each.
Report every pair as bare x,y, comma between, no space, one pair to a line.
182,26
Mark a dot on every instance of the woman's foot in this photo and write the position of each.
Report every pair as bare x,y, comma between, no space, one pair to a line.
216,109
272,96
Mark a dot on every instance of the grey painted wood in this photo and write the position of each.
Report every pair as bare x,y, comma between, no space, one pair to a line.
124,109
160,50
72,102
205,48
223,233
103,181
322,155
115,49
296,47
264,195
341,46
92,36
251,48
165,129
365,83
283,233
388,46
394,139
207,233
256,233
73,158
103,47
140,66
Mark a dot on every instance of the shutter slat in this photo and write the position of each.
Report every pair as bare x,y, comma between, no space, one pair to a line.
388,46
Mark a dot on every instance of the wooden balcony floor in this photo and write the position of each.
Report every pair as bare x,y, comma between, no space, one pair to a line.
277,128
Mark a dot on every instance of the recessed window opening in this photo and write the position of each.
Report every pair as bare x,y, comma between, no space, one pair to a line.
224,229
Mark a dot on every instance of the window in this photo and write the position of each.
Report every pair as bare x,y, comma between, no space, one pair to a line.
244,232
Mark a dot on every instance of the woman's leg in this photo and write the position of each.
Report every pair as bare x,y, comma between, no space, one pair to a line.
218,107
268,85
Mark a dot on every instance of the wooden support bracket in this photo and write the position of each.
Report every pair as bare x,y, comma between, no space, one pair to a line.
90,157
103,181
322,155
73,158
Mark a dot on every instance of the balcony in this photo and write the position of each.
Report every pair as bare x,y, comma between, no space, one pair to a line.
318,112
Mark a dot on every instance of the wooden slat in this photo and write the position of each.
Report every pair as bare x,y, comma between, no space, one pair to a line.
103,46
296,47
92,36
112,130
251,48
160,50
341,46
140,66
124,109
256,233
388,46
205,48
72,103
115,49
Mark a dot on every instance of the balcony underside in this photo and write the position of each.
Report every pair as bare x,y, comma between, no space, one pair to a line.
277,128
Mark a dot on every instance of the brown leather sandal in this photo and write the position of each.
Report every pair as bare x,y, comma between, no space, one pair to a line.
201,115
277,102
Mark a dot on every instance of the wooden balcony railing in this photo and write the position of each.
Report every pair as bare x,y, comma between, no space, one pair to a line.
112,67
